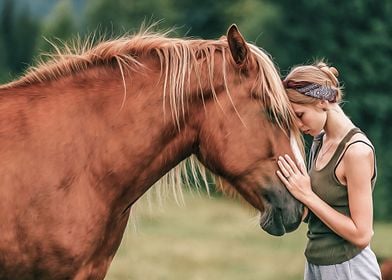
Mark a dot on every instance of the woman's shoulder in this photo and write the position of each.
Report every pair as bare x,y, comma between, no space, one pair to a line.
359,148
360,140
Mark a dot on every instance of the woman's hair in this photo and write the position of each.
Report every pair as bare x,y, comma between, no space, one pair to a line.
316,75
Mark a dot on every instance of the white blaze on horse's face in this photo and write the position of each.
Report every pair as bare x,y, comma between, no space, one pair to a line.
299,159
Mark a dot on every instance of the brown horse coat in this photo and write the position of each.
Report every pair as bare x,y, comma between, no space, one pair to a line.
84,135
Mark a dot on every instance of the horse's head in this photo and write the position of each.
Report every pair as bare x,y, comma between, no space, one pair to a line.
245,126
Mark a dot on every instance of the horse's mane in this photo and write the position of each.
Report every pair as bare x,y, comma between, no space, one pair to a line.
180,57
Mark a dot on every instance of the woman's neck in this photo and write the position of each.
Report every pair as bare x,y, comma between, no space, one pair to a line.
337,124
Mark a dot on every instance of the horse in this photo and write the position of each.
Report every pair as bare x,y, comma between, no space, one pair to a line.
84,134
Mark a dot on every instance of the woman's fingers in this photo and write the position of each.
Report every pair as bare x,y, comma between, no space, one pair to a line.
283,168
302,168
284,164
292,164
283,178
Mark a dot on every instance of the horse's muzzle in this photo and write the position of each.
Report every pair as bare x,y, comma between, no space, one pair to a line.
277,221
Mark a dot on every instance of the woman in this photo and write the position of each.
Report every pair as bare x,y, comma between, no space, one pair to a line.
338,189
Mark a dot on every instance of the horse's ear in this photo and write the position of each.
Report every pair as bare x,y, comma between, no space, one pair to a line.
238,48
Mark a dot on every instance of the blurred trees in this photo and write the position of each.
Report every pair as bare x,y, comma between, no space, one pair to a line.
18,35
192,18
204,17
355,36
117,17
61,23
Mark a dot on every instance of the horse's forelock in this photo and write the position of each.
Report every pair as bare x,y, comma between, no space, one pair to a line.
269,86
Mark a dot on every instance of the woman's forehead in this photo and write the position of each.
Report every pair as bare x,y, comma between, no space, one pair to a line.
303,107
300,107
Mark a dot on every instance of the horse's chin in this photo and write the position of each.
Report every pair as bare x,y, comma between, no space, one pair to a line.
272,222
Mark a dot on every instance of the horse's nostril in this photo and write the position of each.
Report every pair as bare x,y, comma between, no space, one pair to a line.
267,197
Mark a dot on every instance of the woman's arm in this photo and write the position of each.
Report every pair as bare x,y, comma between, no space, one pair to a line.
358,171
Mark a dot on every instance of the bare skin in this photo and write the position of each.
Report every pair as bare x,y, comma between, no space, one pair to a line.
358,229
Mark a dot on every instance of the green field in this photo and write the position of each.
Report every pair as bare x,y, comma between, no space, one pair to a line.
212,238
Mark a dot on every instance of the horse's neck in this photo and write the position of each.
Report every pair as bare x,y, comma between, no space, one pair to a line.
125,145
149,142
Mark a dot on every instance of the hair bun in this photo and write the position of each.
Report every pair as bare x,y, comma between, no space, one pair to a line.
325,68
334,71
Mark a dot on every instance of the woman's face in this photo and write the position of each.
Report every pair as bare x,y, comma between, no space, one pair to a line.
311,118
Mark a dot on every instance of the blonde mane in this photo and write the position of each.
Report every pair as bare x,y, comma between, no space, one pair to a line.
178,59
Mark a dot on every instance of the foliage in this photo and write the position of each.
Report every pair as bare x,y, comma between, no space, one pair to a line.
18,34
121,16
205,18
60,24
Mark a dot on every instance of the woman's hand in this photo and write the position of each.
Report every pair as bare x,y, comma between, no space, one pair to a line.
356,228
295,178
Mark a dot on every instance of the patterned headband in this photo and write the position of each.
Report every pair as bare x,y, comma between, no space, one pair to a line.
313,90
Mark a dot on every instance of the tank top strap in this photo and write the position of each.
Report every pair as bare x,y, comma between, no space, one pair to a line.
340,148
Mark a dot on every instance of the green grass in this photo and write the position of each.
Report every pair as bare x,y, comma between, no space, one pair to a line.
212,238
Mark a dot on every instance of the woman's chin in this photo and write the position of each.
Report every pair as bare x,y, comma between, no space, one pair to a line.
313,133
308,131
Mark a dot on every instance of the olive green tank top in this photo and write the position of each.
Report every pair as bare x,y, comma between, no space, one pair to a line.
325,247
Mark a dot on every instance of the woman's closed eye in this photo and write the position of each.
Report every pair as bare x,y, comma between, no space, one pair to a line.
299,115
